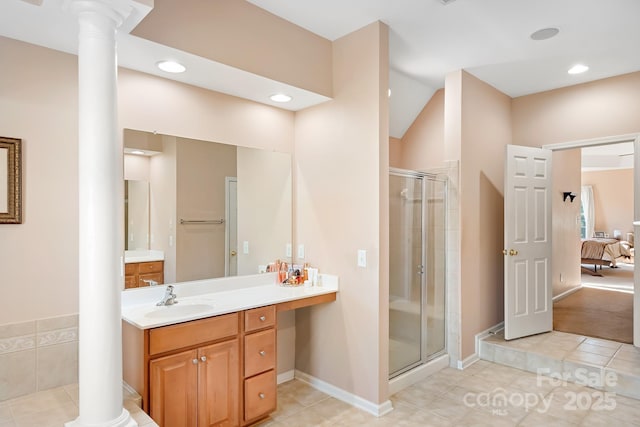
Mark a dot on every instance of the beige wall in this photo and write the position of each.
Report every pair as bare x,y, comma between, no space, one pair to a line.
613,199
239,34
38,103
339,175
565,251
163,179
423,144
591,110
485,131
201,169
264,207
395,152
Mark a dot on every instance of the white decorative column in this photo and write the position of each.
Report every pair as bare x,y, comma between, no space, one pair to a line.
100,178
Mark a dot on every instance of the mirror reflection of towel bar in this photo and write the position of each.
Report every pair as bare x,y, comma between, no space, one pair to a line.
201,221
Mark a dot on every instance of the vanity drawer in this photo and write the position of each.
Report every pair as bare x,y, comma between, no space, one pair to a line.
130,282
259,395
174,337
150,267
130,269
157,277
259,352
259,318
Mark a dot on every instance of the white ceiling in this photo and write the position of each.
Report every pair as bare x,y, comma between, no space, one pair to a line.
488,38
606,157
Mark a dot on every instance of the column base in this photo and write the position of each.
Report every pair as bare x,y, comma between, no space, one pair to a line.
124,420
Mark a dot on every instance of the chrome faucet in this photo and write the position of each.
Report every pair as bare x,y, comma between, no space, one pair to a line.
169,297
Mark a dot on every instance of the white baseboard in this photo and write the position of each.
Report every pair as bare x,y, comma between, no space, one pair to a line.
566,293
470,360
411,377
286,376
375,409
464,364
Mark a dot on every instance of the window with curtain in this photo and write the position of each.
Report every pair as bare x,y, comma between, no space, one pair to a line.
587,212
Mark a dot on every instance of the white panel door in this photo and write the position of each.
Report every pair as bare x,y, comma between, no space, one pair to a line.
527,236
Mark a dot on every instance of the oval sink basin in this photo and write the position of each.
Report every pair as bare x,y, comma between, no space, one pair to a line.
178,310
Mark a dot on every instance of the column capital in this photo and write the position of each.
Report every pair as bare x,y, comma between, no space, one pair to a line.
117,10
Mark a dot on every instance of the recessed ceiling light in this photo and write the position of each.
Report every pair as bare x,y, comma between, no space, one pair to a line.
280,97
171,66
138,152
578,69
544,34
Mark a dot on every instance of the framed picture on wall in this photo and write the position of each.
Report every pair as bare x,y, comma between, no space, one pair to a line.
10,181
598,234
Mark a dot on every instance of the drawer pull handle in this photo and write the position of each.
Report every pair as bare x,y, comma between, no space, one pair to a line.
194,361
262,353
261,395
263,318
203,358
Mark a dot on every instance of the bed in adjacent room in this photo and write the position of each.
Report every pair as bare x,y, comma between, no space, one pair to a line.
604,251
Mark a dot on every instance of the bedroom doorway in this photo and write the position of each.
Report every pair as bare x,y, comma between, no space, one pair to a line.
633,141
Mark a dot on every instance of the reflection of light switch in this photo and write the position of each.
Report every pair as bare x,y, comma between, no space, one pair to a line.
301,251
362,258
288,250
245,247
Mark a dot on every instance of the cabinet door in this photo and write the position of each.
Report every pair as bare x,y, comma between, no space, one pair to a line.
219,384
173,389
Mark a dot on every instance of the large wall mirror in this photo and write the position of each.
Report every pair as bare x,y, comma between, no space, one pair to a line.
214,209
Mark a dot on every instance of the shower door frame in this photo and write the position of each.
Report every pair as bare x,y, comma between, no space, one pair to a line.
424,357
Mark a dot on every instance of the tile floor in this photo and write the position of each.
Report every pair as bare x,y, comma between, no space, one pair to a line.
53,408
569,355
488,393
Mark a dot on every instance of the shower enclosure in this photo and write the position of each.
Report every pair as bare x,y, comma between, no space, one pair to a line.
417,231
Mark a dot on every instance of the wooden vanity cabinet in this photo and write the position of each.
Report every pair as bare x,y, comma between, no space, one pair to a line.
259,372
196,387
218,371
135,273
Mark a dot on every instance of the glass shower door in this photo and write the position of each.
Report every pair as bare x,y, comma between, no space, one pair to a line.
406,272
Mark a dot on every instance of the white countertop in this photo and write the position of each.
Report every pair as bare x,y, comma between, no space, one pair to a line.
143,256
206,298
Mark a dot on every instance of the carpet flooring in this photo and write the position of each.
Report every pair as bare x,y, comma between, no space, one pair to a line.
597,313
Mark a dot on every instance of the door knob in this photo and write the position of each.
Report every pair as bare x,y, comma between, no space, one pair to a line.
203,358
504,252
233,253
262,353
513,252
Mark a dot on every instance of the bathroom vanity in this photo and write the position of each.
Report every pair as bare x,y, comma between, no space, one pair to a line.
143,268
210,359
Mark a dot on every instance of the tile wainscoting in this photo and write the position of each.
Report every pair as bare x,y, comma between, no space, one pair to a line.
38,355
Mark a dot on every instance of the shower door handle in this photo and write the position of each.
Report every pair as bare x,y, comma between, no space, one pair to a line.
421,269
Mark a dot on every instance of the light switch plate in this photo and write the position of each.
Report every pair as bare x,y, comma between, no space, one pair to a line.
301,251
289,250
245,247
362,258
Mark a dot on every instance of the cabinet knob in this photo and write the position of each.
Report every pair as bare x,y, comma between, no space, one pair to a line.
263,318
203,358
261,395
262,353
194,361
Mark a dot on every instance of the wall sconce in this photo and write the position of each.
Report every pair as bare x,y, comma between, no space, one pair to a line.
568,194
